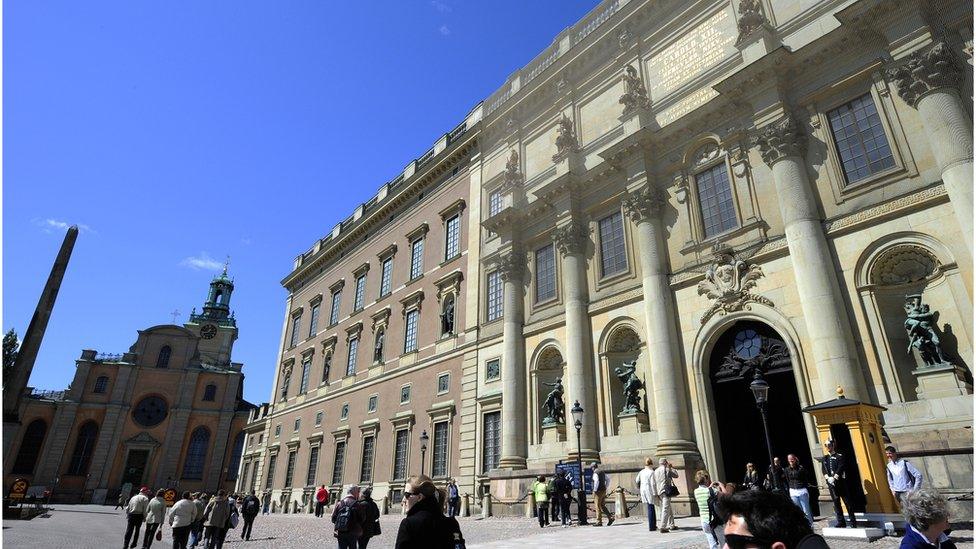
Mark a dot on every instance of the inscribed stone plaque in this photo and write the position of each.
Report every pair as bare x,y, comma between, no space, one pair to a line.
694,52
687,104
601,113
538,153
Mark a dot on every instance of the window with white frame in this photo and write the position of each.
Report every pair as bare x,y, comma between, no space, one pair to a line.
386,277
545,273
400,454
715,200
410,332
296,327
334,313
494,203
452,239
371,403
404,394
344,411
613,248
318,419
351,358
285,382
495,291
306,372
439,466
860,139
416,258
313,321
277,430
298,424
360,293
493,370
443,383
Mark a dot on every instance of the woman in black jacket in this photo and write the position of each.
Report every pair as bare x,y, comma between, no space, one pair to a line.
371,518
425,526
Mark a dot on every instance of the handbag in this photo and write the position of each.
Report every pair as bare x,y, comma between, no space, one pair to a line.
671,490
159,535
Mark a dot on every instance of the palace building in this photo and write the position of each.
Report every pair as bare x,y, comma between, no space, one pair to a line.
671,198
168,413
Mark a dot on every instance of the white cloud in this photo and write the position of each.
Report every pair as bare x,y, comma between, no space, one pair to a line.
202,262
246,241
441,6
444,30
52,225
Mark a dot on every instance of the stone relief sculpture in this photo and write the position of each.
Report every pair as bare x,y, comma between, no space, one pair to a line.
632,386
635,93
554,405
922,336
751,18
924,71
566,141
728,282
447,317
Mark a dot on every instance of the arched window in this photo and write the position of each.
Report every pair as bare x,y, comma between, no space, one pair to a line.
101,384
30,448
235,457
84,445
210,392
162,361
196,454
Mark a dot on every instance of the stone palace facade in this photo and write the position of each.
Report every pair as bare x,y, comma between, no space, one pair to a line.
671,197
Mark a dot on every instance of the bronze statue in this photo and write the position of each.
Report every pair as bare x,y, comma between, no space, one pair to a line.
555,408
632,386
922,336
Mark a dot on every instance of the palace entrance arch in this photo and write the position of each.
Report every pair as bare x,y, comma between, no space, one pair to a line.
738,352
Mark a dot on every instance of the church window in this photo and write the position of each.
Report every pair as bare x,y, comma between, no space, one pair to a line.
416,258
410,334
360,293
351,358
30,448
715,200
495,293
235,457
101,384
334,313
150,411
196,454
386,277
439,466
313,324
545,273
366,467
296,330
491,441
452,247
306,371
860,139
613,252
162,360
84,445
210,392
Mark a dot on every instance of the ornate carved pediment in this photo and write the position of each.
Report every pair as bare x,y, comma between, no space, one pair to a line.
781,139
904,264
925,71
644,203
380,319
449,284
571,238
728,282
143,439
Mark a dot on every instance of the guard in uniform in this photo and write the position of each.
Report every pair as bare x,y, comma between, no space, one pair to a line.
835,472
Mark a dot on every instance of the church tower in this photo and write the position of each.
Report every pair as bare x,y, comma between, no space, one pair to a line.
216,325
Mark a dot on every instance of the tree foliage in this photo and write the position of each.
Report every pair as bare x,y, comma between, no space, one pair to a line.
10,346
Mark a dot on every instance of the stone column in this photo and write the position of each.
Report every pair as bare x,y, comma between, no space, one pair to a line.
644,207
511,268
929,81
571,239
782,145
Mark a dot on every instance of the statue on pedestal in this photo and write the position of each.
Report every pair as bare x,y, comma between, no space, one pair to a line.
555,408
922,336
632,386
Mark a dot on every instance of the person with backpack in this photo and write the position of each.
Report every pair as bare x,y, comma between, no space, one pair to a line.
250,508
903,477
219,515
540,489
371,518
348,518
600,485
321,498
425,527
704,497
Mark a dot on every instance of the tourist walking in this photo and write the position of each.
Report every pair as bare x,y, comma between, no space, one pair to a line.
664,490
563,494
425,527
348,518
903,477
135,512
267,503
155,513
645,485
600,485
750,481
553,500
453,499
927,514
540,489
371,518
321,498
181,518
123,499
217,519
797,482
196,530
250,508
835,473
705,498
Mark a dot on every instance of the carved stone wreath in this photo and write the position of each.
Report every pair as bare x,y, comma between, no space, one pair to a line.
728,282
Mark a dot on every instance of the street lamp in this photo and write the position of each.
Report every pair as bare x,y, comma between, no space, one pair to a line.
577,412
760,391
423,449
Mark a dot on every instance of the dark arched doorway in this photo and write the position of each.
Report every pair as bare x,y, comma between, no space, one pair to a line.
745,346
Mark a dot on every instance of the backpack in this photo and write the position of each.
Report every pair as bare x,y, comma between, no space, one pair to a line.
345,519
453,528
252,506
714,519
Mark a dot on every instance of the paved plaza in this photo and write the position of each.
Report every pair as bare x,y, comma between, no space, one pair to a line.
94,526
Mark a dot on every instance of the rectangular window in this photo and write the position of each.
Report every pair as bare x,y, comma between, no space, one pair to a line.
296,330
277,430
443,383
491,441
360,293
613,251
313,464
340,459
715,200
344,411
494,203
495,293
272,461
313,321
386,277
404,394
351,359
400,455
371,404
416,258
247,467
861,142
298,424
545,273
452,242
493,370
366,467
334,313
306,371
410,335
318,419
290,470
439,467
285,382
254,477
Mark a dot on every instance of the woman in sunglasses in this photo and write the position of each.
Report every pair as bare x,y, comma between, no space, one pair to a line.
425,526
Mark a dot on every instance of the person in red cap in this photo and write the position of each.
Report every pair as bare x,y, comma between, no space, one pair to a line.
135,512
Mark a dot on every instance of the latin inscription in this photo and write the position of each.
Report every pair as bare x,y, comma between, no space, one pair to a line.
696,51
687,104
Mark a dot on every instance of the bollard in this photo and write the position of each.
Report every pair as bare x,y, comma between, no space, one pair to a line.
465,505
530,511
385,505
486,506
620,502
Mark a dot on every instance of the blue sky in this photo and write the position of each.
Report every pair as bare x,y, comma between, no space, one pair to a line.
177,133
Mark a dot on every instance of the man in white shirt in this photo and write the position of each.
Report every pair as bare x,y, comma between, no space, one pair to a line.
135,512
903,477
664,477
600,485
645,483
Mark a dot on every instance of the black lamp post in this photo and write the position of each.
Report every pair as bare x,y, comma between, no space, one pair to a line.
423,449
760,391
577,412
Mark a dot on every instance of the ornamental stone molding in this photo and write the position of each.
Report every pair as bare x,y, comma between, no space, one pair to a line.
751,19
645,203
513,172
566,141
571,238
380,319
728,282
926,71
780,139
904,264
510,265
449,284
329,344
635,93
287,366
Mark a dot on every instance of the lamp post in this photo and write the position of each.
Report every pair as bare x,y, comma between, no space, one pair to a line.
577,412
760,391
423,449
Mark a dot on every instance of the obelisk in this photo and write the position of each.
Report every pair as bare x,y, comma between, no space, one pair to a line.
31,343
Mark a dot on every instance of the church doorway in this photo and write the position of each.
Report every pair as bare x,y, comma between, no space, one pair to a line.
744,347
135,467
